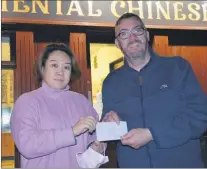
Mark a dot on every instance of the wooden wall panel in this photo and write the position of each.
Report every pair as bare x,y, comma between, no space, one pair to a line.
7,145
38,49
78,46
25,58
196,55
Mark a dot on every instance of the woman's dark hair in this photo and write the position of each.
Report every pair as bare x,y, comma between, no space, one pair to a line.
75,71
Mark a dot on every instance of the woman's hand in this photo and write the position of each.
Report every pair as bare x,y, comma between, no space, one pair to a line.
84,124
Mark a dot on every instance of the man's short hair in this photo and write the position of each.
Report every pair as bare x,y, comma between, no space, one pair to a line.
128,15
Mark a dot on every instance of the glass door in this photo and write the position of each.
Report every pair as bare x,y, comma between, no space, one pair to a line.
104,59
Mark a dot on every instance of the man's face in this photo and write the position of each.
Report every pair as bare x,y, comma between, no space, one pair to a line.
133,38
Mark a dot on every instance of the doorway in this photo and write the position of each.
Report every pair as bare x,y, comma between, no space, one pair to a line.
101,57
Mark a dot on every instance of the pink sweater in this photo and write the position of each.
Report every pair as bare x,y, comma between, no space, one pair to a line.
41,126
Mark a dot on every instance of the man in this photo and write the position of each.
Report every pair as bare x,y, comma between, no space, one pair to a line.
159,98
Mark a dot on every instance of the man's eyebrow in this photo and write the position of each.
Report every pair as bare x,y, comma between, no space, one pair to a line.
124,30
68,63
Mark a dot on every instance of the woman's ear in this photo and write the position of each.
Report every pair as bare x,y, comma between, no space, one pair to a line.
42,69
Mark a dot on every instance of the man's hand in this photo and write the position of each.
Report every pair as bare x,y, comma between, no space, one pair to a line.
137,137
111,117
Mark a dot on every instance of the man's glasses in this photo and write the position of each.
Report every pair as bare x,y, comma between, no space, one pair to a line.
137,31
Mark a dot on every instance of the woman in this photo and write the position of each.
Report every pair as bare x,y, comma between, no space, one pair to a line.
51,125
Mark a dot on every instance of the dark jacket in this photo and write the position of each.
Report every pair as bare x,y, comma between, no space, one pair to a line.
165,97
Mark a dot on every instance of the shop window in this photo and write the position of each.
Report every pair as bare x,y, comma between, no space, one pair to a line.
8,64
7,88
5,45
8,46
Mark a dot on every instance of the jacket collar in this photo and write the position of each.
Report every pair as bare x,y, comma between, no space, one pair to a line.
153,57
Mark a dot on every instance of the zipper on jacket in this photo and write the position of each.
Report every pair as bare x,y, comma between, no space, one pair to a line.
143,112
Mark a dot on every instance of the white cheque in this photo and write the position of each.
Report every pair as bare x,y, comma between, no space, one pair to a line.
107,131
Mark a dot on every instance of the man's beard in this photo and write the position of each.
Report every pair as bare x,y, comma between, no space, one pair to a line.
138,55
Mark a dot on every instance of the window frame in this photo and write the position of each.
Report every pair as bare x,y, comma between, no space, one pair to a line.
12,38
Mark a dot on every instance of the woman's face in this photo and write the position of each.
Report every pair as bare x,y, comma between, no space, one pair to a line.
57,70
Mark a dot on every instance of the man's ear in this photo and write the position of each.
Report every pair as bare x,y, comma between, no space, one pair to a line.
117,43
148,36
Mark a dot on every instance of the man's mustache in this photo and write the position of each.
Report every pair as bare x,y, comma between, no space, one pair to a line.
136,41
